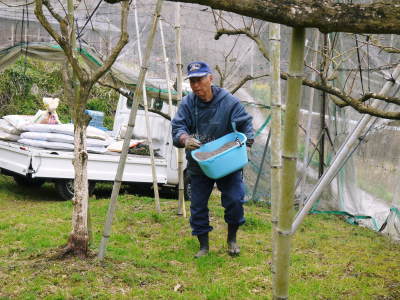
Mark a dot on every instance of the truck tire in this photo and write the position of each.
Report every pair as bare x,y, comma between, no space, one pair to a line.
27,181
65,188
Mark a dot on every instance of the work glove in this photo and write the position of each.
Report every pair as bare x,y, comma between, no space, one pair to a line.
191,143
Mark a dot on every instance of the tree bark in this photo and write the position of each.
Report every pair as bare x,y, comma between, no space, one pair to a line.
79,84
327,16
78,241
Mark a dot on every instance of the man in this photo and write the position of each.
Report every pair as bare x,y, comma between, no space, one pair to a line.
203,116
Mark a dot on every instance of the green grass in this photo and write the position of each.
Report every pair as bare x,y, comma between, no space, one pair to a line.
149,255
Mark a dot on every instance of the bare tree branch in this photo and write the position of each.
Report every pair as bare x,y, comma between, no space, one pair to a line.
53,12
45,23
62,40
129,96
123,40
338,96
387,49
326,15
357,104
387,99
256,38
244,80
221,76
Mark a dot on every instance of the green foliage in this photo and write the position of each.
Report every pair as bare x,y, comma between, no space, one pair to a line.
23,85
150,255
105,100
27,81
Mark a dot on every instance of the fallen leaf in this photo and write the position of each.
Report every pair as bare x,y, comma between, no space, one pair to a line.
178,288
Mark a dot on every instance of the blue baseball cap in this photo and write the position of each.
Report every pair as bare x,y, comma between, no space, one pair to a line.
198,69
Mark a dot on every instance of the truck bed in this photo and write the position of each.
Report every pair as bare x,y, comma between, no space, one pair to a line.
57,164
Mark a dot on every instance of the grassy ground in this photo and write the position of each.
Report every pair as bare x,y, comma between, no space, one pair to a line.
150,256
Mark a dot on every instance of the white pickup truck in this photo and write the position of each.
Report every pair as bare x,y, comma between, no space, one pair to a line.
31,166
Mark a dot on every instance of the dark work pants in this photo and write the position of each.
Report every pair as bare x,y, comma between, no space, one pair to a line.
232,199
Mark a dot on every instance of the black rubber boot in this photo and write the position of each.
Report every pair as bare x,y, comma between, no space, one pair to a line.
204,246
233,247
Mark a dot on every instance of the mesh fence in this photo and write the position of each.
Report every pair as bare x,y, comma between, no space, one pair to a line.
365,190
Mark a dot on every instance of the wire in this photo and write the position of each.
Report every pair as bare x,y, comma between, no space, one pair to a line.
90,18
359,64
368,74
63,7
22,24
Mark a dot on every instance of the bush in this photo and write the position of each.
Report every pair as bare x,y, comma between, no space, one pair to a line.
27,81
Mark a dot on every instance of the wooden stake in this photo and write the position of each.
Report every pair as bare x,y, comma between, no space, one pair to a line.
179,67
131,124
148,126
167,77
276,136
289,159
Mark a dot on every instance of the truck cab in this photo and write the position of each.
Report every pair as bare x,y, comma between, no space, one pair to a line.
160,132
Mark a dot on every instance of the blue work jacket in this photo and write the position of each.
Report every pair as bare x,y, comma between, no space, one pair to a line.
208,121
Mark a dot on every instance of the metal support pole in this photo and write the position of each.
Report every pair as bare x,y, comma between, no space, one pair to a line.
342,154
309,120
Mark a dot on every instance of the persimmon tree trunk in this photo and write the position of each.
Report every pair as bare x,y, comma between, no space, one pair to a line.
78,241
80,82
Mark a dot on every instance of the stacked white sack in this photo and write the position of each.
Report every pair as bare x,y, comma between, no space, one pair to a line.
11,126
61,137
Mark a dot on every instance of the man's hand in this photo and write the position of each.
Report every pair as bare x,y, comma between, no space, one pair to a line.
191,143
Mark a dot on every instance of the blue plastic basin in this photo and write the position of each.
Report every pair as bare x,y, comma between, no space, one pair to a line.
226,162
97,118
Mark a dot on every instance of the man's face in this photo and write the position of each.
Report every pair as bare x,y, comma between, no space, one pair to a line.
201,86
